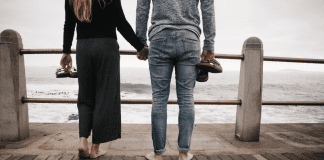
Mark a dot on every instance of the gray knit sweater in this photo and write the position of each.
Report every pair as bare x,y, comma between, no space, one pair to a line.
176,14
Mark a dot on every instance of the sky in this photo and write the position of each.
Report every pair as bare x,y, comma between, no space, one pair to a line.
287,28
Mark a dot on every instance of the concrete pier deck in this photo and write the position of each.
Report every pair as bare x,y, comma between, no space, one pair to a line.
58,141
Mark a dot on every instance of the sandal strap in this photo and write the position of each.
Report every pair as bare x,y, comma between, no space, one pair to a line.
213,61
61,69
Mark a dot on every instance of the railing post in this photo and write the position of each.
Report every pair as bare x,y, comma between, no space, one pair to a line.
14,113
248,114
5,82
3,48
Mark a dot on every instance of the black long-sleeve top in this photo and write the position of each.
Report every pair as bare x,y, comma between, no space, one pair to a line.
104,22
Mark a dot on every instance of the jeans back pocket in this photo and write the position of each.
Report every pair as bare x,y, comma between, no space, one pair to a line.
157,50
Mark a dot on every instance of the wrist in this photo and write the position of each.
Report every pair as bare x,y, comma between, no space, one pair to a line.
208,47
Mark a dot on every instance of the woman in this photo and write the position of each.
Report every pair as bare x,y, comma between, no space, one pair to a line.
97,55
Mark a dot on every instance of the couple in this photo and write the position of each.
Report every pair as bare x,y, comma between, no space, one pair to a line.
174,41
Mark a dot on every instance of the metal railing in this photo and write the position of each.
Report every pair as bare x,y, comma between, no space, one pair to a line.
222,56
14,100
197,102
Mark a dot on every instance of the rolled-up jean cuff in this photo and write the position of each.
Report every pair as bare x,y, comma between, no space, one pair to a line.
183,150
161,151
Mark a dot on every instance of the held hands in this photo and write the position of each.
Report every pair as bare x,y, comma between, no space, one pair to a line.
207,54
143,54
66,61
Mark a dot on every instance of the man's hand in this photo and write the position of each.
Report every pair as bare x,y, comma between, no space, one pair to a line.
66,61
143,54
207,54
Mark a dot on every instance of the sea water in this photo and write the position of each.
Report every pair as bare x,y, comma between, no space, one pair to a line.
286,85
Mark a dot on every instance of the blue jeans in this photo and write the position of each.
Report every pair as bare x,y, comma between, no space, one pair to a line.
168,48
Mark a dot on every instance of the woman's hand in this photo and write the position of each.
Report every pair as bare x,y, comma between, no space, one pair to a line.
143,54
66,61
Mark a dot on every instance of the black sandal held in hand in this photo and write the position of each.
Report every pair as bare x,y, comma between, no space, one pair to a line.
211,65
73,72
62,73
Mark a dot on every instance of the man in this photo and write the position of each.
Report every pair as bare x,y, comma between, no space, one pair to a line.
174,41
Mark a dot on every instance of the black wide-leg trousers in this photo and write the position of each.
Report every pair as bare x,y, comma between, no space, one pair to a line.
99,89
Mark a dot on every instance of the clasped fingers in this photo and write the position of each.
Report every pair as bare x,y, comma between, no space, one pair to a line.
143,54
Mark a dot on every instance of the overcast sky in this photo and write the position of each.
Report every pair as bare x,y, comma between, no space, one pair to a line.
287,28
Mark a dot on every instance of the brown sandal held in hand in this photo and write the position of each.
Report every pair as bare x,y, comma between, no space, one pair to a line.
202,76
211,65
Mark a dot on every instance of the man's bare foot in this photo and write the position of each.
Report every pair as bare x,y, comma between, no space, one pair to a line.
153,156
96,151
185,156
83,147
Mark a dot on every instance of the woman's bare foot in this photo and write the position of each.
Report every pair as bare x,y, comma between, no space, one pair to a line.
83,147
153,156
96,151
185,156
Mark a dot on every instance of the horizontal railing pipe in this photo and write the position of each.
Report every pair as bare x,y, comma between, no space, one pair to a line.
122,52
221,56
198,102
131,101
229,56
59,51
43,51
288,59
308,103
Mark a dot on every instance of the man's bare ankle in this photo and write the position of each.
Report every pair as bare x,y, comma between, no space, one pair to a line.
183,153
158,154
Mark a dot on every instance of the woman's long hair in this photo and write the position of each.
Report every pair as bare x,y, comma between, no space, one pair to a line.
83,9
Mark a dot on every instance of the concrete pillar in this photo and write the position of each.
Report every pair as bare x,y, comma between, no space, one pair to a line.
3,48
5,83
14,114
248,114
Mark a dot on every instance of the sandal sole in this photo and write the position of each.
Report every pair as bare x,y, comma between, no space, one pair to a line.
202,79
62,75
209,68
74,75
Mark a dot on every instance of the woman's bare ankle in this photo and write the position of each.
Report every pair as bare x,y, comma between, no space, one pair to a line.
83,140
95,146
96,151
83,147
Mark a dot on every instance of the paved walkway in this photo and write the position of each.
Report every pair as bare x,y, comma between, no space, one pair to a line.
265,156
209,141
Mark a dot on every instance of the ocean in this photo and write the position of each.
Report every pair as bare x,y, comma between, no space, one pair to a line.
285,85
